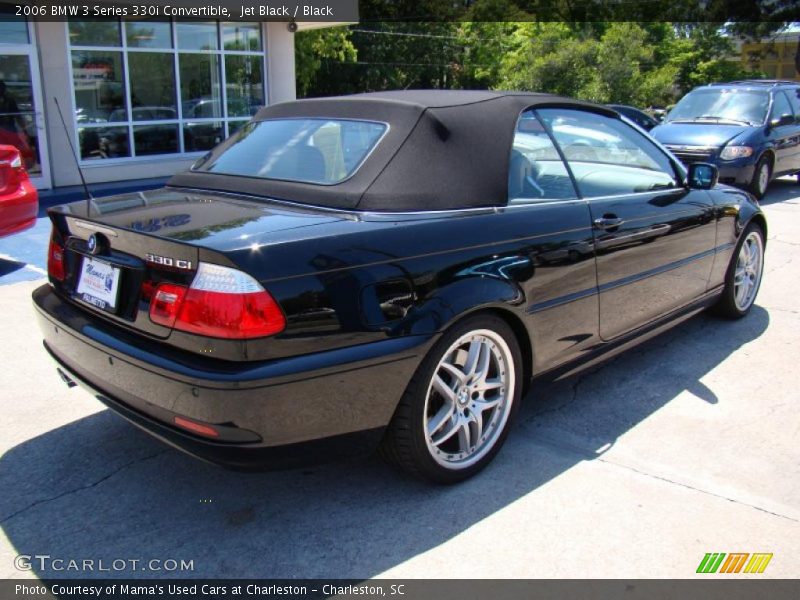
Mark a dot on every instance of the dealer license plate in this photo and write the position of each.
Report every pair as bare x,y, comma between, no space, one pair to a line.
98,284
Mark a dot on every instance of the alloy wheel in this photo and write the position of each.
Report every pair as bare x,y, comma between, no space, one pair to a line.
469,399
749,266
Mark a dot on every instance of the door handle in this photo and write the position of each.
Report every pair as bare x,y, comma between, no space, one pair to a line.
608,222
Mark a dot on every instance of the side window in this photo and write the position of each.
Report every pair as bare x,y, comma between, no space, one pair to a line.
794,100
607,156
536,171
781,106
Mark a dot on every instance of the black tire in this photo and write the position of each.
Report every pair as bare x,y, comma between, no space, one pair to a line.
757,187
727,306
405,444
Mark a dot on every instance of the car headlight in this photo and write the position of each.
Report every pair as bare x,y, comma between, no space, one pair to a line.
733,152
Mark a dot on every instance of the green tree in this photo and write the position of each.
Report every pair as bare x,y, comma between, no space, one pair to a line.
702,53
315,46
634,63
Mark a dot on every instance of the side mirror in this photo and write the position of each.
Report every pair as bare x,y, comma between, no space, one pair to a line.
782,120
702,176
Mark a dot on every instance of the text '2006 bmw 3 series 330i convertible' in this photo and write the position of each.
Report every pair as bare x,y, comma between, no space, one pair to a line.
387,271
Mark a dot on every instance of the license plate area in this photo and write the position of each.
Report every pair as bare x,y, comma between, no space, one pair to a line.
99,284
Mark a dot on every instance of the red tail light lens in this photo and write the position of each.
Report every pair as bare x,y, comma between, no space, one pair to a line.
55,261
234,316
221,303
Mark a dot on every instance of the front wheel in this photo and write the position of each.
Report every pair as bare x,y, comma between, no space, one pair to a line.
761,176
743,278
455,413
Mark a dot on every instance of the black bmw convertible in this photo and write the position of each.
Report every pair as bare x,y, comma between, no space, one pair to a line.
387,271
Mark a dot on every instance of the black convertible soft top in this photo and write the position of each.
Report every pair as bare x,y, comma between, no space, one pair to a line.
443,150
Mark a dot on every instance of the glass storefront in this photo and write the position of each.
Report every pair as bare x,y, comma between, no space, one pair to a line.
20,98
149,88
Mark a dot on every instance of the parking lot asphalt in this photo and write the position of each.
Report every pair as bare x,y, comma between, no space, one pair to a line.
685,445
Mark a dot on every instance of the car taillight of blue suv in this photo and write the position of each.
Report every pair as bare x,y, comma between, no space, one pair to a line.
749,129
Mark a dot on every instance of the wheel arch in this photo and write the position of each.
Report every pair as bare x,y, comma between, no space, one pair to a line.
769,153
519,329
523,339
759,219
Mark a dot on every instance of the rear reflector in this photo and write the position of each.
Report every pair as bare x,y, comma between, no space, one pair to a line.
198,428
55,260
220,303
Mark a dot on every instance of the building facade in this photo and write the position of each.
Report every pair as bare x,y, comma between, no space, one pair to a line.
139,99
777,56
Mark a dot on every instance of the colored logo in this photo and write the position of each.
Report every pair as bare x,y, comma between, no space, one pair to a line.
97,244
735,562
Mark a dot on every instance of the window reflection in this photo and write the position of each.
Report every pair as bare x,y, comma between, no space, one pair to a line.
241,36
94,32
200,86
155,139
152,86
197,36
162,91
103,142
244,85
13,29
18,111
148,34
202,135
99,86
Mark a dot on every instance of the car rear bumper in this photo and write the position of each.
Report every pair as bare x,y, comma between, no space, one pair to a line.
267,414
18,210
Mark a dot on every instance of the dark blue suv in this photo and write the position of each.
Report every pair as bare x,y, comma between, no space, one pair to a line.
749,129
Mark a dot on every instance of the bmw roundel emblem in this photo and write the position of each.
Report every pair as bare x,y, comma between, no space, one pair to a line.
97,243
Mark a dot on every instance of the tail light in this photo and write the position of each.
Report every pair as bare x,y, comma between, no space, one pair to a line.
55,260
221,302
16,170
165,304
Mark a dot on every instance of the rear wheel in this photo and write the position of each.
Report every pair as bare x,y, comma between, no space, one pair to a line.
743,278
761,176
455,414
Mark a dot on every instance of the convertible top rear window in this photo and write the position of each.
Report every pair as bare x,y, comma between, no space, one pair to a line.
313,150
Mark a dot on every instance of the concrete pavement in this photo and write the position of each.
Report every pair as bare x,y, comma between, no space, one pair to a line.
685,445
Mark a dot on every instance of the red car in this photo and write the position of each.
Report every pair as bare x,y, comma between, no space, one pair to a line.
19,201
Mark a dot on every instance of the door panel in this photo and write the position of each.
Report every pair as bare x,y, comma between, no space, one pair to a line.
785,137
654,238
658,258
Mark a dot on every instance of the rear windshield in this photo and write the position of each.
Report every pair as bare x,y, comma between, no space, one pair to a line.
324,151
747,107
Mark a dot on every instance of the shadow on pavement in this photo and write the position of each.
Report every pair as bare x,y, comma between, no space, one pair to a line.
99,488
781,190
10,266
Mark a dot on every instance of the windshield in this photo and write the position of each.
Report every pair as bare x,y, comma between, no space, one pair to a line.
748,107
324,151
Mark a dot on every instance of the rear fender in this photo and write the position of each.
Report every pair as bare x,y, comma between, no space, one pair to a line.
449,303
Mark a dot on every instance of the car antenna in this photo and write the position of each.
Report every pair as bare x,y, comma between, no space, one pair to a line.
89,197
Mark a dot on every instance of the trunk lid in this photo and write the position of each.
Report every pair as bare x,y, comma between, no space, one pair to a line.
118,249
